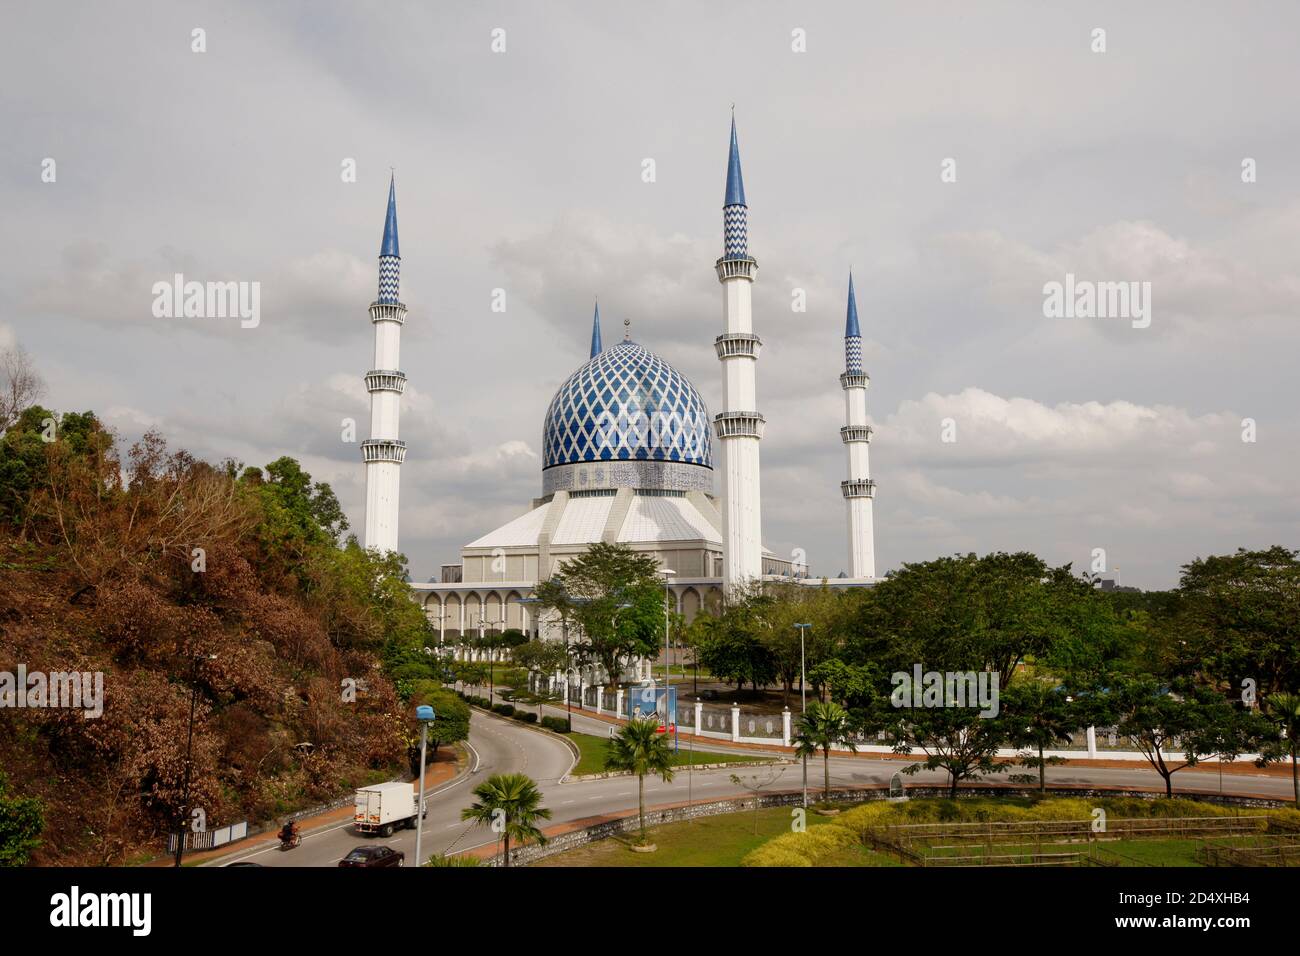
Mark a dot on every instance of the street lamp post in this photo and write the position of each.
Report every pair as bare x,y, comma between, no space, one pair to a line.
668,594
803,704
189,752
424,714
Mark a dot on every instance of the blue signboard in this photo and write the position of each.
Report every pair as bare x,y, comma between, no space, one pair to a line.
644,700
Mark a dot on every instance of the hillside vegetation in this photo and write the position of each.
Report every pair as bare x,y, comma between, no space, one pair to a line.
168,574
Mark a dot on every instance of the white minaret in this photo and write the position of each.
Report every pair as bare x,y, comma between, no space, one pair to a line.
739,426
859,489
384,451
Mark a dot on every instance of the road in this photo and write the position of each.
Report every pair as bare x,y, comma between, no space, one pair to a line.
498,745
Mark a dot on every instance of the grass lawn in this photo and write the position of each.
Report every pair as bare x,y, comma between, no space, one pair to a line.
593,755
708,841
1151,852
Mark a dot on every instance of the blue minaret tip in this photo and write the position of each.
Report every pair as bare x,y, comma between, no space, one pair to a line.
389,246
851,320
735,183
595,332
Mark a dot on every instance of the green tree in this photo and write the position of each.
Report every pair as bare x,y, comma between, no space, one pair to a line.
21,821
1184,717
955,739
1239,619
639,748
1038,714
510,804
1283,711
589,591
825,725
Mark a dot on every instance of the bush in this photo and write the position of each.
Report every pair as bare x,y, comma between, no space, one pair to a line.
505,710
557,724
802,849
527,716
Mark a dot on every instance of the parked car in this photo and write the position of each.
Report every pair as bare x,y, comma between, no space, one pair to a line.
707,694
374,856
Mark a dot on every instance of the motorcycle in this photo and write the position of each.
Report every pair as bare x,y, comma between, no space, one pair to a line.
290,841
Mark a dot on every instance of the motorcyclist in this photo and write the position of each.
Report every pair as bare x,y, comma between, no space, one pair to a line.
288,831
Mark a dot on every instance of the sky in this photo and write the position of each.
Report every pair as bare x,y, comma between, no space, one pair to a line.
1081,439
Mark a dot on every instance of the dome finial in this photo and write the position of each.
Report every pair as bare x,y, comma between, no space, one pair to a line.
627,330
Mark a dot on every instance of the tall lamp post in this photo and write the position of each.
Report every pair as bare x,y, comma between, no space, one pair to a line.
803,705
424,714
189,751
668,600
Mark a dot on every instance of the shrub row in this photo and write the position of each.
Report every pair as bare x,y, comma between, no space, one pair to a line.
810,847
557,724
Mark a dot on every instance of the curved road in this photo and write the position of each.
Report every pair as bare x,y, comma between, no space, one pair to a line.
498,745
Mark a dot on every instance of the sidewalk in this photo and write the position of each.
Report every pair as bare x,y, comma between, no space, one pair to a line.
446,765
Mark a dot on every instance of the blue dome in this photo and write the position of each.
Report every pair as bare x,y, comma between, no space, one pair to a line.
627,404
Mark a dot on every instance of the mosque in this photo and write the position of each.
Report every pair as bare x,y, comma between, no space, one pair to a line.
628,457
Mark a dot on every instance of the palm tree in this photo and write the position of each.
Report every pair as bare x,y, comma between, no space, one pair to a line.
822,727
1284,710
639,748
510,804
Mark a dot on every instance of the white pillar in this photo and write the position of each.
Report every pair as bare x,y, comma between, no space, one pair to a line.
618,702
600,692
699,718
1092,742
785,727
735,722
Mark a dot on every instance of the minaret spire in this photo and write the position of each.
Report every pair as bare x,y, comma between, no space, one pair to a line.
595,332
852,334
739,426
858,490
384,452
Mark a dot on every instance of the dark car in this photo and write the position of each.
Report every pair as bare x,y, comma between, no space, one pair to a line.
374,856
243,863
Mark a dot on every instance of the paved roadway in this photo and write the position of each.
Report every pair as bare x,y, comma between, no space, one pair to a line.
498,745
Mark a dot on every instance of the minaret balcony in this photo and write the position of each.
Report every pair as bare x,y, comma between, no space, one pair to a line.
855,380
739,425
858,488
388,312
739,267
732,344
386,380
855,433
383,449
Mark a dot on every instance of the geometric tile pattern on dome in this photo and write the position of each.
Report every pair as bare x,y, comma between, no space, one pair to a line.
627,404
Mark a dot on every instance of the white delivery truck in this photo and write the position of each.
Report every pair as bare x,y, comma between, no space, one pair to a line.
385,807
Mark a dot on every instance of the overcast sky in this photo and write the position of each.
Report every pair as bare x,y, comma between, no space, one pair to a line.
522,170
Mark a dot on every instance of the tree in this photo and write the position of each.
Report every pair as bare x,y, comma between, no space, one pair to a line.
1184,717
1283,710
955,739
1038,714
20,385
1239,616
639,748
590,591
825,725
21,821
510,804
